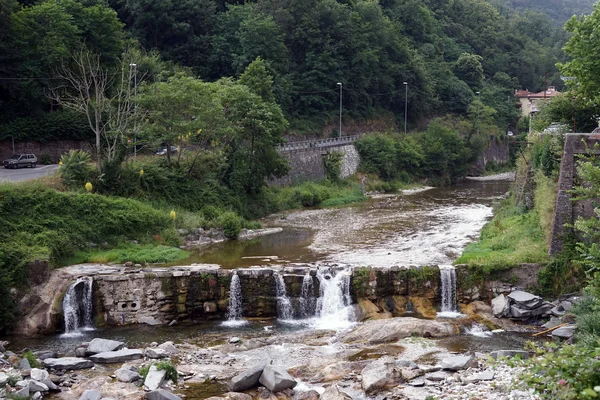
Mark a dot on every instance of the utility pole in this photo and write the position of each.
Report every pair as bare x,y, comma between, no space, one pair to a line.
134,107
405,105
340,85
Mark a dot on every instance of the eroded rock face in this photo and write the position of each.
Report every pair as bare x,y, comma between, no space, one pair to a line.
393,329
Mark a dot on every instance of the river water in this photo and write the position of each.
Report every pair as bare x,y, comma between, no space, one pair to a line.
423,227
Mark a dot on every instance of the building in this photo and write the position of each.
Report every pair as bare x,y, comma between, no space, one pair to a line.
530,102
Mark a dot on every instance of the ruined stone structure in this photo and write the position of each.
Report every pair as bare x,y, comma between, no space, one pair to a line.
306,159
157,296
566,210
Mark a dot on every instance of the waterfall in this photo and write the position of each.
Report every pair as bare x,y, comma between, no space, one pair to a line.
307,299
284,305
234,317
77,305
334,305
448,290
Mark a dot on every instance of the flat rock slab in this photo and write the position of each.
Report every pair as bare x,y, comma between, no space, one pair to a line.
484,376
119,356
68,363
457,363
393,329
564,332
525,300
155,378
517,311
98,345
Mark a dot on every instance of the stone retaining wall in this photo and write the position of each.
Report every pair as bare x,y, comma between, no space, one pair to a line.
54,149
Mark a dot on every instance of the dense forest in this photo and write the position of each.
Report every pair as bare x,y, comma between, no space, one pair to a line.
559,10
447,52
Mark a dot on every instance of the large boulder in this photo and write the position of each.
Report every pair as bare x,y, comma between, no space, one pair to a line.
154,379
246,380
500,306
98,345
525,300
393,329
91,395
35,386
119,356
127,375
380,374
68,363
169,347
276,379
39,374
161,394
517,311
456,363
156,352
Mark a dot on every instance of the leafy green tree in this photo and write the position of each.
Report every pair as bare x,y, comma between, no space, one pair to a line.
258,80
468,68
573,112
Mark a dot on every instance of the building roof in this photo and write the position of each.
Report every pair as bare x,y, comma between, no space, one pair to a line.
550,92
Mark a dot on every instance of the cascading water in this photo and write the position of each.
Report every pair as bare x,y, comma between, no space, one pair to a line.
77,306
284,305
235,317
307,299
448,280
334,305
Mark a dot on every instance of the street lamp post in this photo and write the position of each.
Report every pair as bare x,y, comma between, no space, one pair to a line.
340,85
478,106
134,107
405,105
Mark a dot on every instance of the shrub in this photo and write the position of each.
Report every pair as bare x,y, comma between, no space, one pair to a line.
33,362
167,366
231,223
332,163
46,159
75,170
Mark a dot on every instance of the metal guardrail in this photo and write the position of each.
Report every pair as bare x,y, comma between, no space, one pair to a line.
309,144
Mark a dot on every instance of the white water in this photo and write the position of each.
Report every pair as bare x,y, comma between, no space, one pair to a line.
284,305
235,317
448,280
478,330
307,299
77,307
334,305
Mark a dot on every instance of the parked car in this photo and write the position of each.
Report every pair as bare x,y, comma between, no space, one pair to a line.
163,151
21,160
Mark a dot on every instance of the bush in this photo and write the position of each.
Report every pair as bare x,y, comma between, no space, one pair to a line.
167,366
46,159
231,223
33,362
75,170
332,164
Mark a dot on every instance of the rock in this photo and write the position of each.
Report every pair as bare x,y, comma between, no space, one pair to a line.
524,300
210,307
91,395
246,380
334,393
169,347
42,355
379,374
436,376
564,332
127,375
154,379
407,364
484,376
36,396
393,329
80,352
98,345
68,363
234,339
519,312
509,354
39,374
50,384
411,373
237,396
309,395
161,394
456,363
156,353
566,305
23,364
119,356
3,378
35,386
500,306
551,323
276,379
21,393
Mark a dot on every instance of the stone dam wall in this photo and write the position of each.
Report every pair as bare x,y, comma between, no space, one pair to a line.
158,296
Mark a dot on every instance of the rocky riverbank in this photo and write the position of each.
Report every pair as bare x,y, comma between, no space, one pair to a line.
396,358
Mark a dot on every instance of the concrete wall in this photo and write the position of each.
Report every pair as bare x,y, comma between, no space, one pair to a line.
566,210
497,151
54,149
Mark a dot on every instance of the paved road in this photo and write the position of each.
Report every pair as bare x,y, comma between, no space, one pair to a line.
26,173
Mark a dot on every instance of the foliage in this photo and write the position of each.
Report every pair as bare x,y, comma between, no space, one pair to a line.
546,154
564,373
33,362
167,366
75,170
138,254
57,125
231,224
567,110
332,163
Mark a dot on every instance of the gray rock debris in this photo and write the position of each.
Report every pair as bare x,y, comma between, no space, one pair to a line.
525,300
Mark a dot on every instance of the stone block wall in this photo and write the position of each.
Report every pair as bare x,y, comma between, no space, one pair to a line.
53,149
566,211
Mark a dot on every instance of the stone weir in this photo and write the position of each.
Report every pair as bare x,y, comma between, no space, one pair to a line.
158,296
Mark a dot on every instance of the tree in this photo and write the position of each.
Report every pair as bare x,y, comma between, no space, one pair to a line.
468,68
258,80
104,97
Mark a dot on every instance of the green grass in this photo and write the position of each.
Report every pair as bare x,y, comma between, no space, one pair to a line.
511,238
315,194
138,254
